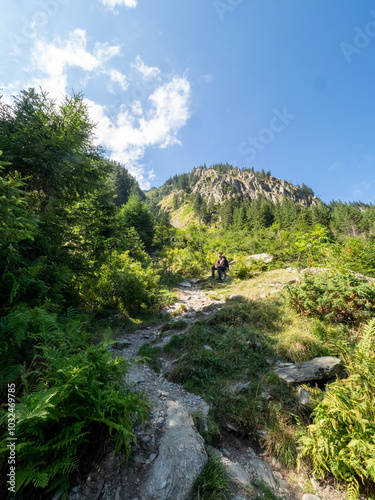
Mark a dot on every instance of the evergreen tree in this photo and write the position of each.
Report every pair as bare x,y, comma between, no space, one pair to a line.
137,214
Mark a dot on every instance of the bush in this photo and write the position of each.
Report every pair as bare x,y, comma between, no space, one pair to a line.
212,482
122,283
341,440
188,262
72,393
338,298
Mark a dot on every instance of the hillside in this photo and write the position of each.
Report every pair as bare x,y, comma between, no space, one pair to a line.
182,195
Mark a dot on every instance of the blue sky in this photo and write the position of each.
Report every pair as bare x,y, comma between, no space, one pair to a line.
283,85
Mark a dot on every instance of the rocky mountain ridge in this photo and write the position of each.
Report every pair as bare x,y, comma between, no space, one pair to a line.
218,186
219,183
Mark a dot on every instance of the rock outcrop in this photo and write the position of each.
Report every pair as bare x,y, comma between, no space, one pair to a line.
217,186
317,369
181,457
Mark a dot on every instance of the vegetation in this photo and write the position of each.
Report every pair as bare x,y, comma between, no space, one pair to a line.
341,439
212,483
80,243
73,237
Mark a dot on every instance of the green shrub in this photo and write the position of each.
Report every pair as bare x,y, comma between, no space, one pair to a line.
242,269
338,298
341,439
212,482
188,262
122,283
72,393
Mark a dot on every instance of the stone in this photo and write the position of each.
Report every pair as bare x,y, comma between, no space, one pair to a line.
186,284
180,458
135,377
236,473
264,472
316,369
309,496
231,427
239,388
121,344
162,394
303,397
265,257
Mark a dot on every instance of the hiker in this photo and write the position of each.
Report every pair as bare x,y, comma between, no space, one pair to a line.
220,266
172,239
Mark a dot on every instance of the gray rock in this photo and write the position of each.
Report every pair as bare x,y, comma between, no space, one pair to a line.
239,388
236,473
309,496
316,369
265,257
303,397
135,376
121,344
181,457
264,472
186,284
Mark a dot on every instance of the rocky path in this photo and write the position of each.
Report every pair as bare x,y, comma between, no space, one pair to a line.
170,451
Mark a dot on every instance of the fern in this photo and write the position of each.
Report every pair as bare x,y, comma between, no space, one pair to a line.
71,390
341,439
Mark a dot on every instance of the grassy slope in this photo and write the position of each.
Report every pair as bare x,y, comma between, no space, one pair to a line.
253,330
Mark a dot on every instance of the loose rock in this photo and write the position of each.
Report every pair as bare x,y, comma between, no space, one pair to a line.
316,369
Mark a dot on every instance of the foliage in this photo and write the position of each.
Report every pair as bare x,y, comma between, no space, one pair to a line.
244,268
279,439
16,224
151,355
334,297
187,261
137,215
341,439
266,492
122,283
212,482
71,392
313,243
51,144
64,242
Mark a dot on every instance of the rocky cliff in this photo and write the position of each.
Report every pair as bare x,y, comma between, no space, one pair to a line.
217,186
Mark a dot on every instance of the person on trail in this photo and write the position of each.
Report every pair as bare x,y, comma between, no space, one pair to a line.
172,239
220,266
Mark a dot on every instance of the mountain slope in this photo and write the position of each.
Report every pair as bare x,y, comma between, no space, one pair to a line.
220,184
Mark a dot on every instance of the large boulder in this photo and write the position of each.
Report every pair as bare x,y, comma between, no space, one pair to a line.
265,257
316,369
180,459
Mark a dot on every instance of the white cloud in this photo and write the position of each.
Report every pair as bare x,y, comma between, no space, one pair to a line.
114,3
147,72
132,131
117,77
55,58
128,126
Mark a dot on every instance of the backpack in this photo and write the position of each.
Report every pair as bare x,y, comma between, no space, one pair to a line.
226,263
